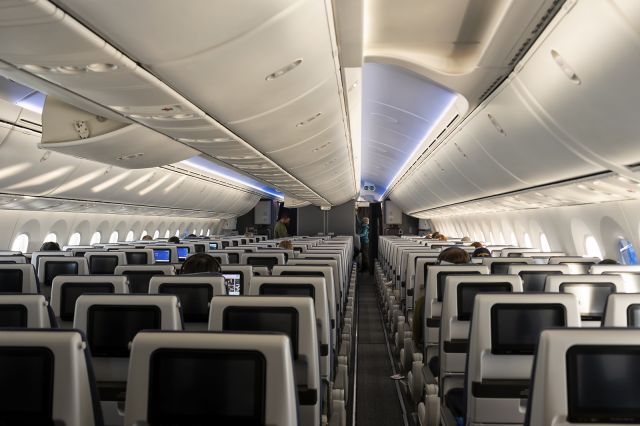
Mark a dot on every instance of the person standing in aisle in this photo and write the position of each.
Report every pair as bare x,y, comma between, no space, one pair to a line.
280,230
363,232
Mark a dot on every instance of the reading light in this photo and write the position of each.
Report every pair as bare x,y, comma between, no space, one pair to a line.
282,71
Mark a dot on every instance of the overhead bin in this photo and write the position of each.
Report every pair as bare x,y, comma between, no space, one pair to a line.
71,131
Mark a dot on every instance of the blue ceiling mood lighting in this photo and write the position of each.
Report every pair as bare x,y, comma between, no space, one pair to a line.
400,109
216,169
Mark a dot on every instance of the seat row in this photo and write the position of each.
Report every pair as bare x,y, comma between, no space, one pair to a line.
109,322
440,383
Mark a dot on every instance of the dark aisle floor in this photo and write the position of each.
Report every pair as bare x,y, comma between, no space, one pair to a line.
376,399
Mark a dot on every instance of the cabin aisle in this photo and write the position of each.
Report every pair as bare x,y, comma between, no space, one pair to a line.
377,400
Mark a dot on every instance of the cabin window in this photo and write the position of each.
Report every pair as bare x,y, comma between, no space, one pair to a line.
177,232
208,232
491,238
114,237
627,255
201,231
51,237
527,240
129,236
21,243
592,247
167,234
75,239
95,238
156,234
544,243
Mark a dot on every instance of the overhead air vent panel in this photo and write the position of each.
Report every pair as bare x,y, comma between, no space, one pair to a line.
71,131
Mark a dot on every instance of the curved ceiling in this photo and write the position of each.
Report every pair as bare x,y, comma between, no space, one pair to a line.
268,73
400,108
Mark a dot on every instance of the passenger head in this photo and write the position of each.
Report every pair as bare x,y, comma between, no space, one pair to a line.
435,235
192,236
50,246
199,263
454,255
608,262
147,238
174,240
284,218
481,252
476,244
365,220
442,237
286,244
429,236
466,239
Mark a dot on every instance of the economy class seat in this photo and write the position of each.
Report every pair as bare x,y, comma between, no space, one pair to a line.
39,371
172,375
20,259
622,310
18,278
50,267
67,288
457,309
591,291
535,276
318,271
504,333
434,290
586,376
629,273
104,262
314,287
26,311
140,275
293,316
110,323
194,293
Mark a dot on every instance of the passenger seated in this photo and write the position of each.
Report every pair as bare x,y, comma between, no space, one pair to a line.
201,263
453,256
481,252
286,244
211,378
50,246
586,376
46,378
147,238
608,262
173,240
